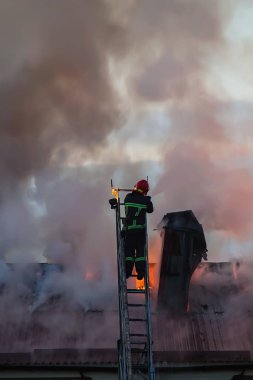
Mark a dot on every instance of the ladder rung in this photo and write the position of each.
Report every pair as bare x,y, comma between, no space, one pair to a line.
139,350
136,291
133,275
140,342
138,334
136,304
137,320
139,366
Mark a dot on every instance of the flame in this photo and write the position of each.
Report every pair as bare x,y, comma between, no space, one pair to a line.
154,248
140,285
115,192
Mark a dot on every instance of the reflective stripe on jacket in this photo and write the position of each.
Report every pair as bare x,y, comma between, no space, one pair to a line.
136,207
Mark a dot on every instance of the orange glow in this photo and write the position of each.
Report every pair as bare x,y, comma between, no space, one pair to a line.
140,283
154,248
91,276
235,266
198,273
115,192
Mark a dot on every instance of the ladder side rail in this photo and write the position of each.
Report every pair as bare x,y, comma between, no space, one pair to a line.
121,361
151,368
124,317
121,345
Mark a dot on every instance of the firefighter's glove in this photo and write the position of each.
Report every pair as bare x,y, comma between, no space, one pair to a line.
113,202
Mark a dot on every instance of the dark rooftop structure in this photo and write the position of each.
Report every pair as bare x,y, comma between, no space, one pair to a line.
183,248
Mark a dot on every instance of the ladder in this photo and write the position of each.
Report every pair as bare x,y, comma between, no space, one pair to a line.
135,344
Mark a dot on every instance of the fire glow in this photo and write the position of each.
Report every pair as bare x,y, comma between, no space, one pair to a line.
235,267
152,282
92,276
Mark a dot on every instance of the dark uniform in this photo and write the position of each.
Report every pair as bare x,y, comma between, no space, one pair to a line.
136,206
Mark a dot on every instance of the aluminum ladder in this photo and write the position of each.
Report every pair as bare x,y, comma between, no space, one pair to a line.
135,344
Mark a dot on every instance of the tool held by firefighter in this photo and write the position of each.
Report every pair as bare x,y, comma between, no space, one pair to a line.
135,344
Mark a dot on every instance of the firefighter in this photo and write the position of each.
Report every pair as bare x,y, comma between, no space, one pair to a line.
137,204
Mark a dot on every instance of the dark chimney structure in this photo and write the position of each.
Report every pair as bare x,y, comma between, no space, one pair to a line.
183,248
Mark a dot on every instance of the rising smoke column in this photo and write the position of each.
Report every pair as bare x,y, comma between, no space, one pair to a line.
57,105
57,101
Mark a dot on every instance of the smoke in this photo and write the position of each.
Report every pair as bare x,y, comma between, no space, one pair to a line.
206,166
58,100
219,196
223,293
58,105
77,80
176,39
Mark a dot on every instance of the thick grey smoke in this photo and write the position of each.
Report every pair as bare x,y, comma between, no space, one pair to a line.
56,96
58,105
176,39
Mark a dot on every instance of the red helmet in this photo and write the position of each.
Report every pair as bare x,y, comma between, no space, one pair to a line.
142,186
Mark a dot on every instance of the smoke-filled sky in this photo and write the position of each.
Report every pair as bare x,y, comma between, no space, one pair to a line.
94,90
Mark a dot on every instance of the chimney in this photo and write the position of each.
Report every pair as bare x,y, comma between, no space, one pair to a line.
183,248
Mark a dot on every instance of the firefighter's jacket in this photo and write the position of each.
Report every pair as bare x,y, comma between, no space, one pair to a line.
136,207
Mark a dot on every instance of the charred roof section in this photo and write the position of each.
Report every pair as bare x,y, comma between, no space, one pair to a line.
183,248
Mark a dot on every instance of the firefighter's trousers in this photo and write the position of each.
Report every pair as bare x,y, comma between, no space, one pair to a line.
135,252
